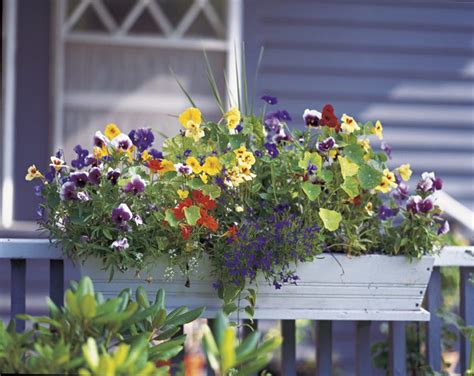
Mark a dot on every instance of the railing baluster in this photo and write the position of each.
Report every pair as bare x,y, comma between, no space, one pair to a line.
324,348
363,359
433,334
397,349
288,348
56,281
18,291
467,312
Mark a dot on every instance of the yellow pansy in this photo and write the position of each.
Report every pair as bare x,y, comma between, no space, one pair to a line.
233,118
211,166
349,125
194,132
369,209
146,156
56,163
388,182
194,164
130,152
111,131
365,143
182,194
247,159
204,178
390,176
378,130
100,152
384,185
234,178
333,153
405,171
33,173
190,118
245,173
166,166
240,151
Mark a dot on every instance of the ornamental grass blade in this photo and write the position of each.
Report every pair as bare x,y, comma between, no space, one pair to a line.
244,81
182,88
237,77
257,70
212,83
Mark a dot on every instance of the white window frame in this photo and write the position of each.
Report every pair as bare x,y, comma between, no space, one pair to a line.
118,35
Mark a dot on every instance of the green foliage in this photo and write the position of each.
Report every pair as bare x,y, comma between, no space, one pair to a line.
226,356
96,334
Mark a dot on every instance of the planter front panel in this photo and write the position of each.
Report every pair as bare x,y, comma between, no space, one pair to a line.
331,283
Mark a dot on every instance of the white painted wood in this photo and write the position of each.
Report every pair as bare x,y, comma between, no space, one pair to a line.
364,286
455,256
8,124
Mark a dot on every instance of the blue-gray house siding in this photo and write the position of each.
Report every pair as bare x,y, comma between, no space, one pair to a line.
409,64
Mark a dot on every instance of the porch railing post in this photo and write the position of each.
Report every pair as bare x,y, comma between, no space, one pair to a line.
18,291
467,312
288,348
397,349
363,358
56,281
324,348
433,334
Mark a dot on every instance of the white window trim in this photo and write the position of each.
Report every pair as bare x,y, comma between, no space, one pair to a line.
8,147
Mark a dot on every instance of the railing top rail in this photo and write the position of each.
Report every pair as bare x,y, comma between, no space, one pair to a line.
29,249
44,249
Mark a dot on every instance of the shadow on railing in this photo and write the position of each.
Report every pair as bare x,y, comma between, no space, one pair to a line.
19,251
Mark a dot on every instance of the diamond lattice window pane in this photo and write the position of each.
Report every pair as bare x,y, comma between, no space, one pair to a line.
119,9
89,21
174,10
201,27
145,24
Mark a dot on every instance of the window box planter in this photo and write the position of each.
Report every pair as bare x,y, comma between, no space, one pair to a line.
333,286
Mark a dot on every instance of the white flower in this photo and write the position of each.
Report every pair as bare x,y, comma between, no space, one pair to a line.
120,244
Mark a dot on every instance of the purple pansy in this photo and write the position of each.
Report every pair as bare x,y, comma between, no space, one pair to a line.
444,228
429,182
386,212
68,191
269,99
326,145
142,138
272,149
95,175
311,117
121,214
187,153
38,189
99,139
413,202
183,169
387,149
401,192
122,142
312,168
120,244
79,178
135,185
281,136
80,161
426,205
156,154
113,175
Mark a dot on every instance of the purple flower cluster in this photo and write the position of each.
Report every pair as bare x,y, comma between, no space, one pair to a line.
269,99
81,160
142,138
261,245
416,204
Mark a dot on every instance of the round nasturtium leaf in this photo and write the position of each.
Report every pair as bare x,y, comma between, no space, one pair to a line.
330,218
348,168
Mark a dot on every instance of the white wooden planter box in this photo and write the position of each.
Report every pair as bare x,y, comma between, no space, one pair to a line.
332,287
